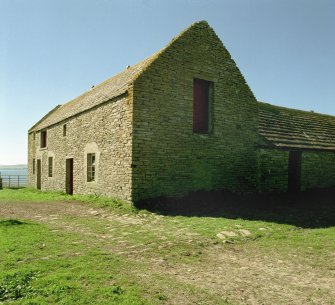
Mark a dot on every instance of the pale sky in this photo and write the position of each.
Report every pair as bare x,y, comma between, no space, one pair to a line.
52,51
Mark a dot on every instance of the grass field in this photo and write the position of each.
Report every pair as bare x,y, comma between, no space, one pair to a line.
60,249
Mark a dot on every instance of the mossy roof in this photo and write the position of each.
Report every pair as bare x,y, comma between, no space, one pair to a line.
286,128
106,91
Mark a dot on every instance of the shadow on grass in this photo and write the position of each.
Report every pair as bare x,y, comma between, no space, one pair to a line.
11,222
309,209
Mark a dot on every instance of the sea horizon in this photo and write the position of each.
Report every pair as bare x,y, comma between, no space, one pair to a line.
13,170
14,166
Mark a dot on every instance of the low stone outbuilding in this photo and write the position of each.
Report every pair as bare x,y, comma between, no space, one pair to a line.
184,119
298,149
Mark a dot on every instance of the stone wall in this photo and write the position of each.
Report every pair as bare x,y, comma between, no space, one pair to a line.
168,158
317,170
105,131
32,142
273,170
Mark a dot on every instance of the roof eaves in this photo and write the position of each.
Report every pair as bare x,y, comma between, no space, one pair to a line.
43,118
111,99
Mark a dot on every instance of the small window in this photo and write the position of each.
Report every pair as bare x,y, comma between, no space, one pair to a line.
50,166
90,167
34,133
201,105
33,166
43,139
64,130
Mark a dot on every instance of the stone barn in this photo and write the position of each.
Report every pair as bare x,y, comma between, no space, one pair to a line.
183,119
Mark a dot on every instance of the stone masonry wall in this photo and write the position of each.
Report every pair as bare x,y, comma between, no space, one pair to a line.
273,170
105,131
31,159
317,170
168,158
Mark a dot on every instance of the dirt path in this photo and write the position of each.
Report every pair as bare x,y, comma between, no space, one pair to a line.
243,275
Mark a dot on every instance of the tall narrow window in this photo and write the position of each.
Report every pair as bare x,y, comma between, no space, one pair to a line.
90,167
34,135
64,130
50,166
33,166
201,105
43,139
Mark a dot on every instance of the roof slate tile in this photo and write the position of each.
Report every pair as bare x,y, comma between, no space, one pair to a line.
296,129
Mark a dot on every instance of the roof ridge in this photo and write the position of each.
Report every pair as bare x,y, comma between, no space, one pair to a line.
108,80
298,110
132,71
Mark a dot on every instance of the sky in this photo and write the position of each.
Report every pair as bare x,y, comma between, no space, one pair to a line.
53,50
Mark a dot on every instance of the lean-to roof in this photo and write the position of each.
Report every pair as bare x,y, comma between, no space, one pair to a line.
296,129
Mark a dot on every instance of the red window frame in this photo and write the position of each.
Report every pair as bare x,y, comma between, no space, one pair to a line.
201,91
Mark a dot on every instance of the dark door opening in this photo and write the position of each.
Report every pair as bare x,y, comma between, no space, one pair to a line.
39,173
69,176
294,172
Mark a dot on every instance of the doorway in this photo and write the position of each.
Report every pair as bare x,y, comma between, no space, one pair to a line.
69,176
39,173
294,172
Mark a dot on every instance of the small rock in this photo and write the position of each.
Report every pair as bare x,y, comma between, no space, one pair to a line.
221,236
245,232
224,234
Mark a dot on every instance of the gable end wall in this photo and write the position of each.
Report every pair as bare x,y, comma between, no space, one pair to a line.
168,158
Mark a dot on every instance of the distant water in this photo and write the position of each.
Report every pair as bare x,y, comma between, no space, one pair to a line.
16,171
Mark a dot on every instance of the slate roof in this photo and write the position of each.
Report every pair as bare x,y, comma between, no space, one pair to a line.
296,129
107,90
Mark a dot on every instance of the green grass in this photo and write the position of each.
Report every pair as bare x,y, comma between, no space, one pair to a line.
137,257
30,194
49,268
